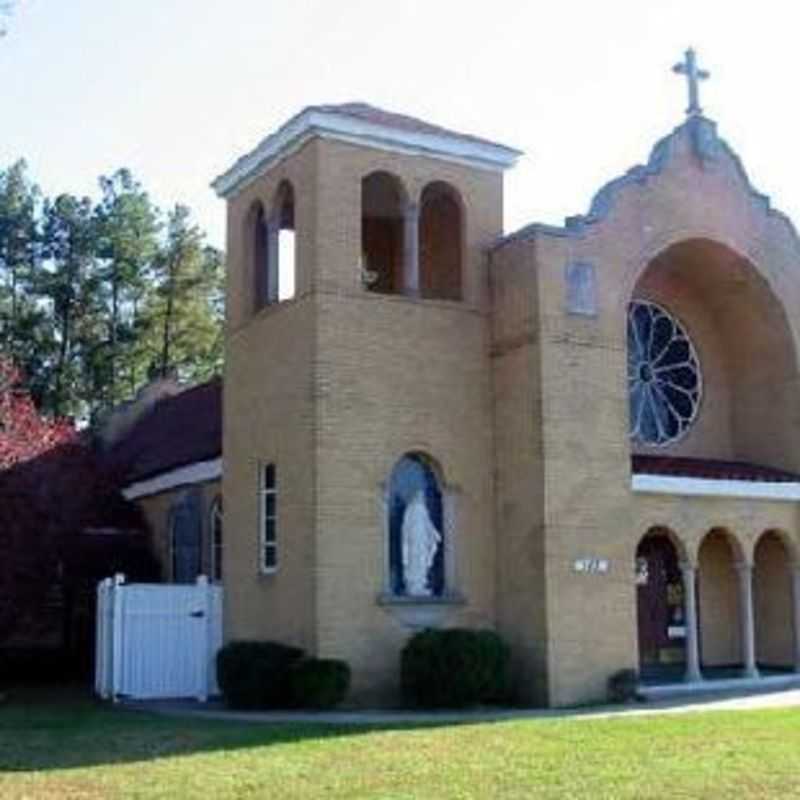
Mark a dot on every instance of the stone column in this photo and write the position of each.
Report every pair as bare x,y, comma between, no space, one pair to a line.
693,674
273,236
796,614
746,616
411,250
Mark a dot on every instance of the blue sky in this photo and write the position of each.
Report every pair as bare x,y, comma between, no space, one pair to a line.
177,89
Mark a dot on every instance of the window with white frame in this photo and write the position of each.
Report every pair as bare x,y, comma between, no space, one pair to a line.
215,541
268,513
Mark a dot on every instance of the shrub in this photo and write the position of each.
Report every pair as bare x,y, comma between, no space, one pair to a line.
256,674
318,682
623,686
454,668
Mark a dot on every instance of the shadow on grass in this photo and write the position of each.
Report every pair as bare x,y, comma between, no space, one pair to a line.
45,729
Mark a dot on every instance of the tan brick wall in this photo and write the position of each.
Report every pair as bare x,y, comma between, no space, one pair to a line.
269,417
587,504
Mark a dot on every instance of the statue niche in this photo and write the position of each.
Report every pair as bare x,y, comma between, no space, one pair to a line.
416,540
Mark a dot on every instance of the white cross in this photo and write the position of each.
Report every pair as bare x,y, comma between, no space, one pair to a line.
688,67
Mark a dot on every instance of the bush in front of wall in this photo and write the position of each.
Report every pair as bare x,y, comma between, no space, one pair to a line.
255,675
318,683
623,686
455,668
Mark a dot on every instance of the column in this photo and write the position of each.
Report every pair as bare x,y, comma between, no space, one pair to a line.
411,250
273,236
796,614
690,609
745,572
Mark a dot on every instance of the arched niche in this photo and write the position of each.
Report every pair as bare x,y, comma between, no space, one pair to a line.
441,242
416,495
745,349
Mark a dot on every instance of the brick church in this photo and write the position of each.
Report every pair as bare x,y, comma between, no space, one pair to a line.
596,426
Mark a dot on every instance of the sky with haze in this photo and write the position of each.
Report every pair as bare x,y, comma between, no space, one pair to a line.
177,89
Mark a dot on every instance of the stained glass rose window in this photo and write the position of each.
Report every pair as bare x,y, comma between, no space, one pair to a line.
664,380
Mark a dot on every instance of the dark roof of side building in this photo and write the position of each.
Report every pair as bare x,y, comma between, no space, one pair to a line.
178,430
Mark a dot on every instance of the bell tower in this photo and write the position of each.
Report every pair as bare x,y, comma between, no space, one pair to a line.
357,335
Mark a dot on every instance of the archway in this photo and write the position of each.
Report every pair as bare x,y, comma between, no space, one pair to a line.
719,604
440,242
772,603
700,298
383,207
660,606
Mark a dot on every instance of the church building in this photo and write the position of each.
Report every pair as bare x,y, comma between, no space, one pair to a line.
584,437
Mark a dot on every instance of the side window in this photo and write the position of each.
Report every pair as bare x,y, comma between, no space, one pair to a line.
268,518
185,536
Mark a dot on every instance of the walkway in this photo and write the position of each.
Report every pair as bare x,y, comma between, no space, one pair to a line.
716,702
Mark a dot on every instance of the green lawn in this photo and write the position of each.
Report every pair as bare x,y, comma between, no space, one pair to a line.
56,748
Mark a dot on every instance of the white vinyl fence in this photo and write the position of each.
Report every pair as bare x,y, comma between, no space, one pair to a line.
157,640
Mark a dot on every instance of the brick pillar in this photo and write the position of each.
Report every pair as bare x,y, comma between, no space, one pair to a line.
273,235
745,572
411,250
693,674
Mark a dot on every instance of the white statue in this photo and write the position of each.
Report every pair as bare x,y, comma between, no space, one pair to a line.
420,540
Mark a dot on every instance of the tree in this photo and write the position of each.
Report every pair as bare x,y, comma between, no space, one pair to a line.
52,488
70,283
127,230
22,325
24,433
183,312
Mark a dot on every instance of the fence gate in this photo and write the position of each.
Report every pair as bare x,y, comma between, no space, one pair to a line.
157,640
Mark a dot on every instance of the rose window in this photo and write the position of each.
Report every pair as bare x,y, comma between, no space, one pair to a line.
664,380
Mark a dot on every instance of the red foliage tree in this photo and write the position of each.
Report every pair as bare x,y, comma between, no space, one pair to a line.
53,487
24,433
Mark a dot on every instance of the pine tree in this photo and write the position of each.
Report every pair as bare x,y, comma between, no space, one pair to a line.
183,313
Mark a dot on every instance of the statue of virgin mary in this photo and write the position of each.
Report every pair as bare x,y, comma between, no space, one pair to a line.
419,541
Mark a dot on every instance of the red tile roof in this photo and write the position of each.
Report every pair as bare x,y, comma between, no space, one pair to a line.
709,468
176,431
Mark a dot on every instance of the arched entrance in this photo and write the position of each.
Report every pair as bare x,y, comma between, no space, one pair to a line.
719,602
660,607
772,603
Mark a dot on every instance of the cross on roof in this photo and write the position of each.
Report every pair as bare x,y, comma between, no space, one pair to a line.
688,67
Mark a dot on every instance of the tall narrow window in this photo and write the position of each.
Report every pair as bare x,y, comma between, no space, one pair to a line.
268,496
215,541
185,534
259,255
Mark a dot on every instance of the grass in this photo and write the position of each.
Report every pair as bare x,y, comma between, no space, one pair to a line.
70,747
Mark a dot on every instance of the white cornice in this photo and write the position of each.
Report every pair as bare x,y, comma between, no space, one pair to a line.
199,472
709,487
346,128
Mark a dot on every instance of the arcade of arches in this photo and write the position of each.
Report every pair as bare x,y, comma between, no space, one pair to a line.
717,611
411,247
